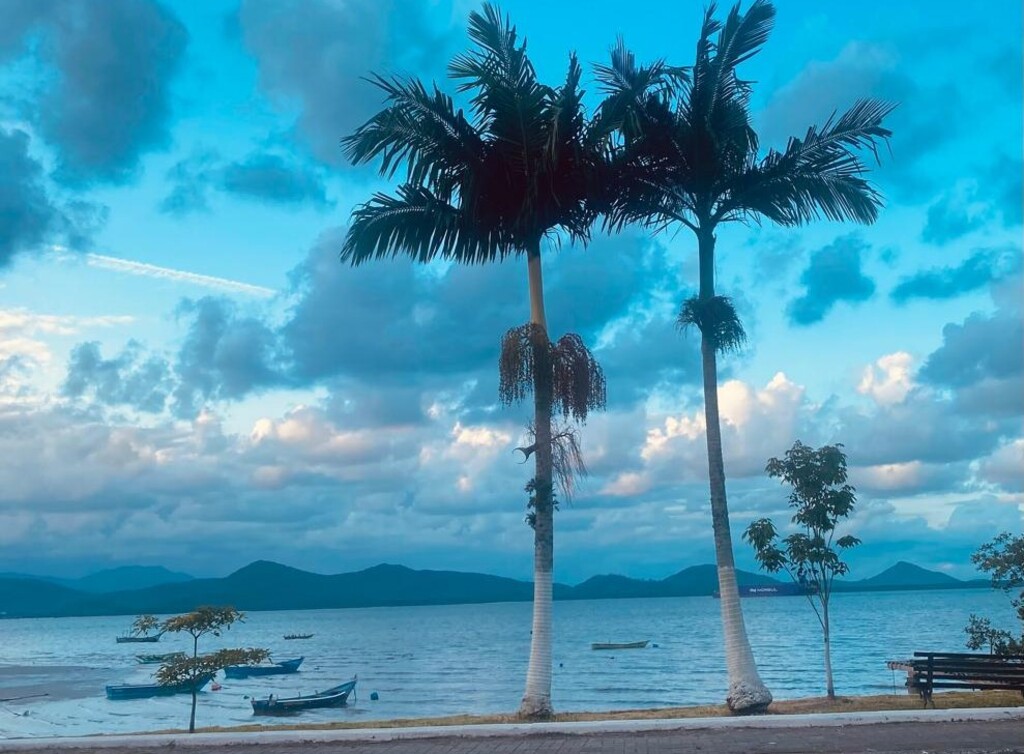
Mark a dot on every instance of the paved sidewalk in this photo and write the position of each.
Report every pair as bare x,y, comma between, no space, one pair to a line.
974,737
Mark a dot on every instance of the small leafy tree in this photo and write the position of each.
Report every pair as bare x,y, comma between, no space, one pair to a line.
196,671
1003,560
821,499
143,624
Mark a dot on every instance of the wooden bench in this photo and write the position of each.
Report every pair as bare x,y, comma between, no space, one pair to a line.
949,670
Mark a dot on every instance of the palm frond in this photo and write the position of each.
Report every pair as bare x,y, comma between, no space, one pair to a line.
418,128
817,176
420,225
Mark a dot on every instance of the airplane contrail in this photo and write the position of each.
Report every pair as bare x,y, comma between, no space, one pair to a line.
168,273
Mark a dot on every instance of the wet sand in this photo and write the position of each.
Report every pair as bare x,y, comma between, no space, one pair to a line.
27,683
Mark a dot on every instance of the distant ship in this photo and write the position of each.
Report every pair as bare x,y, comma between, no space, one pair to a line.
775,590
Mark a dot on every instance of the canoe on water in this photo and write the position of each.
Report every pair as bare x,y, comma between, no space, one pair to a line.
277,668
624,645
336,696
159,659
147,690
290,637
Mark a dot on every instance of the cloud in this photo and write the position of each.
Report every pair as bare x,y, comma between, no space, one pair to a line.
950,218
144,269
983,267
269,178
992,195
224,356
28,217
920,125
981,360
832,275
889,379
1005,467
261,176
127,380
316,53
108,102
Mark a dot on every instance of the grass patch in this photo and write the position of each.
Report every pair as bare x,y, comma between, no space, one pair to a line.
877,703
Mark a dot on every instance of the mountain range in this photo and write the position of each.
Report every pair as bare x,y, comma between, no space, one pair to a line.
264,585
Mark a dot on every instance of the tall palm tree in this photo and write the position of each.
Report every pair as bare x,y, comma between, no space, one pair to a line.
685,154
480,189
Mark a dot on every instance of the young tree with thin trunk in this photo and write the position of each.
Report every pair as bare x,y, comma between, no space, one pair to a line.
821,500
480,189
684,155
1003,560
196,671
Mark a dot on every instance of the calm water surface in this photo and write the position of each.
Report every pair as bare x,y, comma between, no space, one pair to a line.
431,661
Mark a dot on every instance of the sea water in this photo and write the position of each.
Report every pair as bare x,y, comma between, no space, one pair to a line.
471,659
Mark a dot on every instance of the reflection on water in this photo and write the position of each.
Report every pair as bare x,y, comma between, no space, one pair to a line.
446,660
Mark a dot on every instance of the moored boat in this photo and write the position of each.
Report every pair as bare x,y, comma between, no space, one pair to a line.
290,637
159,659
277,668
336,696
147,690
129,639
621,645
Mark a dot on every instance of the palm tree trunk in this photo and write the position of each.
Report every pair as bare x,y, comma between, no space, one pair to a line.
747,693
192,718
830,689
537,698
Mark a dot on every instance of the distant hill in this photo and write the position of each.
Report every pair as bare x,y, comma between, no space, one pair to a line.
123,578
264,585
906,575
127,578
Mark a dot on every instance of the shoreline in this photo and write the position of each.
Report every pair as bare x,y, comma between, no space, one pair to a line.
1001,723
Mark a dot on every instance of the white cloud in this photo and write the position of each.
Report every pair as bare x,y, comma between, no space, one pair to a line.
889,379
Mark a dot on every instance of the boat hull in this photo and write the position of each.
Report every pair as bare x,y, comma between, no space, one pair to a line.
278,668
149,690
159,659
333,697
625,645
138,639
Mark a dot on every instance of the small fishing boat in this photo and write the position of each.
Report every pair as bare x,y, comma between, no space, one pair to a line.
623,645
290,637
277,668
159,659
332,697
139,632
147,690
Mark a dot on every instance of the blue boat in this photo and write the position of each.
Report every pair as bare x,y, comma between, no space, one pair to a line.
147,690
277,668
336,696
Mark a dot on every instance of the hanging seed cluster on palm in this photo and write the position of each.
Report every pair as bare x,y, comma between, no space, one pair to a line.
576,379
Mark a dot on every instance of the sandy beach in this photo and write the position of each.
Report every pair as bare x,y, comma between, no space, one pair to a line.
21,682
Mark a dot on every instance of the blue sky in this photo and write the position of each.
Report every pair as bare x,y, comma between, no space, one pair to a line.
189,377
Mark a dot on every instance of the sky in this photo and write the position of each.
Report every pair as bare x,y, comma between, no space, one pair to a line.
189,377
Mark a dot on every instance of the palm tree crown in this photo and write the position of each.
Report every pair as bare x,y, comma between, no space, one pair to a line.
483,187
687,153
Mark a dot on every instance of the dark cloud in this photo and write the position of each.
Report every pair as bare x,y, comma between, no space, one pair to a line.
130,379
29,216
269,178
109,101
983,267
225,355
950,218
832,275
190,179
21,16
261,176
317,53
981,348
996,196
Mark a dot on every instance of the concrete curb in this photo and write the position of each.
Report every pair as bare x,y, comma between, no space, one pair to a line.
824,720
